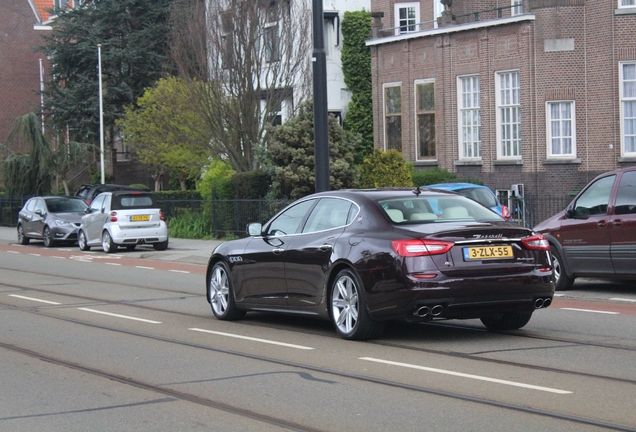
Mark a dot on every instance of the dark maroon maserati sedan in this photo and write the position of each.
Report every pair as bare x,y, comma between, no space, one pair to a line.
362,257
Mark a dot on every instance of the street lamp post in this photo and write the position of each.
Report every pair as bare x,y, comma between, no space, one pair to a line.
101,114
321,137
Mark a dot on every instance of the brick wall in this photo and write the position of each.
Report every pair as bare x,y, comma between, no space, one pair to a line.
19,65
579,62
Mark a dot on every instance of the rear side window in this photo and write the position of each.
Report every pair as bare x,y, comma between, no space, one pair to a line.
123,202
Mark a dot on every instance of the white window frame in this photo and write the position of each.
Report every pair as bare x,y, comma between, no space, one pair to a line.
438,8
475,146
417,113
549,121
622,4
623,114
517,7
512,104
384,113
396,11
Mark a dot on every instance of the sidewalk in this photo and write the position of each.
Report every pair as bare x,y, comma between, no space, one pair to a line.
179,250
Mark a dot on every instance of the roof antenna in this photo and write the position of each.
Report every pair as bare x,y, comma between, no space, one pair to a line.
417,191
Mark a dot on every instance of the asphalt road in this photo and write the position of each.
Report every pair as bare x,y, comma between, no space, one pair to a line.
127,342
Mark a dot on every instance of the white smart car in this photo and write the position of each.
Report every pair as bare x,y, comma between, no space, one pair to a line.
123,218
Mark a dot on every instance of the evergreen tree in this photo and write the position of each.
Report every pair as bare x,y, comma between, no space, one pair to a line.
134,52
289,158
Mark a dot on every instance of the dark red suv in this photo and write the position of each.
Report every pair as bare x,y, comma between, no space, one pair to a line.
596,234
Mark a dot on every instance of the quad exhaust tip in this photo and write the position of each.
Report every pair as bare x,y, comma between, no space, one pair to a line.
424,311
542,302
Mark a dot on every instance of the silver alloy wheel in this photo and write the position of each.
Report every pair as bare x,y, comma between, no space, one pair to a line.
556,266
81,241
107,243
345,304
48,242
219,290
22,239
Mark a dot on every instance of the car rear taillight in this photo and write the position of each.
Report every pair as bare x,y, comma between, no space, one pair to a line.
161,215
113,217
417,247
505,212
536,242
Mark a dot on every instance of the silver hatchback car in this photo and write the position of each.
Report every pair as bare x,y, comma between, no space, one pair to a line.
123,218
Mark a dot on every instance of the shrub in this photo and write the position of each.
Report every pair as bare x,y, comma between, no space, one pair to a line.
385,169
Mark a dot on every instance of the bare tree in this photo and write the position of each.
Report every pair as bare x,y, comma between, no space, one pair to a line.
248,62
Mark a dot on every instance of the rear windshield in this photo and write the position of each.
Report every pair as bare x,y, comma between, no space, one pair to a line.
437,209
133,201
481,195
65,205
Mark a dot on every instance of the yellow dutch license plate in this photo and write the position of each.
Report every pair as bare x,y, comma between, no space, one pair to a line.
487,252
139,218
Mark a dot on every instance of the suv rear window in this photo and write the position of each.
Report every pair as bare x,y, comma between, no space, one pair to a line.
133,201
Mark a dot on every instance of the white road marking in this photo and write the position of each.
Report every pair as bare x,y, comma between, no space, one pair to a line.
623,299
179,271
13,252
57,257
120,316
34,254
115,264
589,310
252,339
463,375
147,268
33,299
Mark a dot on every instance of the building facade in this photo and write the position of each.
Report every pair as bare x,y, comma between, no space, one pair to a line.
540,92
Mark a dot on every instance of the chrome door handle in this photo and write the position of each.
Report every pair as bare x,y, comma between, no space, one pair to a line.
278,251
326,247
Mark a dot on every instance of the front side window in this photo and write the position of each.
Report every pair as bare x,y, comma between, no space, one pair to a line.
469,117
288,222
425,111
626,195
595,198
508,115
393,116
406,17
628,108
561,129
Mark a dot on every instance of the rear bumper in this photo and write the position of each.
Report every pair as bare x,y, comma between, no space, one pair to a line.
462,298
135,236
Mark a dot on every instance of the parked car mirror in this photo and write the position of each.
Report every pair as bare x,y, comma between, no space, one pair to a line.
254,229
39,212
569,212
88,210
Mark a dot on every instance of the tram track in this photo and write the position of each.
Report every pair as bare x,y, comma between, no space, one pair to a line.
281,362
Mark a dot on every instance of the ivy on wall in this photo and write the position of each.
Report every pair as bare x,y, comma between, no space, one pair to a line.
356,67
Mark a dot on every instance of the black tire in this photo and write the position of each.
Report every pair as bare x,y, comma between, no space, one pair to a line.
161,246
22,239
46,236
131,247
81,241
221,294
506,320
108,245
348,312
562,282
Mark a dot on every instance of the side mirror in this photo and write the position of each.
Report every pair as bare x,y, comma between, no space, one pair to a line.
569,212
39,212
88,210
254,229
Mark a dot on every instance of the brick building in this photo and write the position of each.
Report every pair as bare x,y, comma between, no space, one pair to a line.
539,92
19,63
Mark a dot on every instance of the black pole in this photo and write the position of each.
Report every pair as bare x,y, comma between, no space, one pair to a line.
321,137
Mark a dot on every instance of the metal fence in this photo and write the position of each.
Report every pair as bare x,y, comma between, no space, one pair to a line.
230,217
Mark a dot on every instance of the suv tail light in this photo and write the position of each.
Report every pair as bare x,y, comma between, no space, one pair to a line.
505,212
417,247
536,242
161,215
113,217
